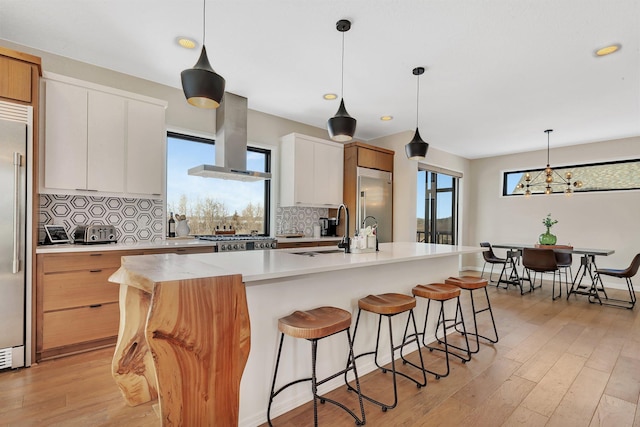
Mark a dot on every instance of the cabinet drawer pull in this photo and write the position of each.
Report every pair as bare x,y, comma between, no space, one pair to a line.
95,255
95,305
95,271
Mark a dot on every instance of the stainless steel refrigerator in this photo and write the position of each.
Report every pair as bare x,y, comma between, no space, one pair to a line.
13,280
374,202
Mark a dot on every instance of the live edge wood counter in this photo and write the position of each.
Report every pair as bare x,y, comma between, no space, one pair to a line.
198,309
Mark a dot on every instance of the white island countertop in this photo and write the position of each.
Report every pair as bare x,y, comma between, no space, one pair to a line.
274,264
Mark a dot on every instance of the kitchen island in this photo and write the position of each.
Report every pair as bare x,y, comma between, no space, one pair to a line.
225,288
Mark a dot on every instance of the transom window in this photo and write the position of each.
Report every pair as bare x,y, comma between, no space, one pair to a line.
212,203
604,176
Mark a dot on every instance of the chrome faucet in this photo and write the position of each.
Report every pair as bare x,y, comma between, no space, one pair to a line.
345,243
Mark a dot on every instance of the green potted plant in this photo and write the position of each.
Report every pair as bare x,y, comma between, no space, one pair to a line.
548,238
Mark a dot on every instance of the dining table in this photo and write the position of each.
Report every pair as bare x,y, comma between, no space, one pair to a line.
587,266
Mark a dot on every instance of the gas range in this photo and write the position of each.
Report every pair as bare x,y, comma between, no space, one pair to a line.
240,242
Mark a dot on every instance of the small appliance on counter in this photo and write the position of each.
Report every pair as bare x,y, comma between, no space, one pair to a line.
324,227
94,233
332,230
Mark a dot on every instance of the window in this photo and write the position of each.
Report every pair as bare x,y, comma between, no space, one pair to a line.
210,203
437,208
606,176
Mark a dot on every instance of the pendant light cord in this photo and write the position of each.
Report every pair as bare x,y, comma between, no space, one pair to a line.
417,100
204,20
548,132
342,76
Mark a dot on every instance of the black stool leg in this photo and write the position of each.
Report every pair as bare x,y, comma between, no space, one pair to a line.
273,385
475,321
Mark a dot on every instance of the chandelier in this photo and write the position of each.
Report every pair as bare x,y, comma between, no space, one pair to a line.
545,179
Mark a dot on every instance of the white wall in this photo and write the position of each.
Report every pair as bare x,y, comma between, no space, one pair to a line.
588,220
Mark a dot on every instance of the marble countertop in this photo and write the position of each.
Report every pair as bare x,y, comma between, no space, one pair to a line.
307,239
255,266
169,243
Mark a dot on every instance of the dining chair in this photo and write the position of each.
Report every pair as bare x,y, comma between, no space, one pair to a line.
626,274
564,261
491,258
541,261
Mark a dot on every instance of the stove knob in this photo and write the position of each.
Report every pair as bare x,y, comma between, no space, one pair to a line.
259,245
223,247
235,246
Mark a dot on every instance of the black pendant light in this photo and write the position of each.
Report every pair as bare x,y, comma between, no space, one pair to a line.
202,86
342,126
417,148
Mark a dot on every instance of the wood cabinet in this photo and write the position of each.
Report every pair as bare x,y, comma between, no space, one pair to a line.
358,154
15,79
97,140
310,171
77,307
293,245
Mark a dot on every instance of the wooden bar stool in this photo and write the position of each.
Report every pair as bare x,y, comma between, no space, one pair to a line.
388,305
313,325
471,284
441,292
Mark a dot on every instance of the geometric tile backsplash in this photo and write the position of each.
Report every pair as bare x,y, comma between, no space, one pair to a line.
298,220
135,220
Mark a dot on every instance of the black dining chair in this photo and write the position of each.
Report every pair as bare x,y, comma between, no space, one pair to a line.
491,258
564,261
541,261
626,274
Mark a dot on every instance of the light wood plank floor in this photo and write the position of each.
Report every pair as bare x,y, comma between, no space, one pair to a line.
558,363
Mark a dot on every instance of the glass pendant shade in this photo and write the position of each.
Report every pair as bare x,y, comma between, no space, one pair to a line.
342,126
417,148
203,87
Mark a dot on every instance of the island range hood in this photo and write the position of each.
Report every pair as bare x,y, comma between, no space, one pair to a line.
231,144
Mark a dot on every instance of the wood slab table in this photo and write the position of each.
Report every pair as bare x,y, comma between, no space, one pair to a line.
184,339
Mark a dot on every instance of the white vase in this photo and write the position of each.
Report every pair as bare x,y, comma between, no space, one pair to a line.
182,229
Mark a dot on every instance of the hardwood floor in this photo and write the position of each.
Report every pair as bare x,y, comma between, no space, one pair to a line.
558,363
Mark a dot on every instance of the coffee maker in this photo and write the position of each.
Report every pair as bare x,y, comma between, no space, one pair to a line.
328,227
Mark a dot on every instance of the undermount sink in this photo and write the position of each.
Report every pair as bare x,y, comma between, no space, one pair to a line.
314,253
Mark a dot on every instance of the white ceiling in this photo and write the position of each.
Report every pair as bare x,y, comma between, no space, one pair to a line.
499,72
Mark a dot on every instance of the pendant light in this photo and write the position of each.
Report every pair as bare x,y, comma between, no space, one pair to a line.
546,178
202,86
342,126
417,148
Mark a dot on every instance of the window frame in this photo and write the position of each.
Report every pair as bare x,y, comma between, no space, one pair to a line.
534,172
267,168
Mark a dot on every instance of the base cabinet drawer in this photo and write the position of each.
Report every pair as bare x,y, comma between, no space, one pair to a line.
66,327
78,288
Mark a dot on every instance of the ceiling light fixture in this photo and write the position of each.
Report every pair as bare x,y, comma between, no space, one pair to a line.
607,50
186,42
417,148
329,96
544,179
386,118
202,86
342,126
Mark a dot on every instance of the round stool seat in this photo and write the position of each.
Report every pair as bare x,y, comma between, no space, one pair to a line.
467,282
436,291
387,303
317,323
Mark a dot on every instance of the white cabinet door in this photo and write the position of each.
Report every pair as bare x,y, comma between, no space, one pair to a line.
145,148
105,142
311,172
328,168
65,154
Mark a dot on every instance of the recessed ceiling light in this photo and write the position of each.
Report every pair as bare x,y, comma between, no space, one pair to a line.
330,96
607,50
186,43
386,118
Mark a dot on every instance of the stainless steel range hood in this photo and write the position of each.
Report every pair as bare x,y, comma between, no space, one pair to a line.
231,144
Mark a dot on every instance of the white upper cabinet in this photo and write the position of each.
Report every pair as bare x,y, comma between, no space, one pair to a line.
102,140
65,154
311,171
145,148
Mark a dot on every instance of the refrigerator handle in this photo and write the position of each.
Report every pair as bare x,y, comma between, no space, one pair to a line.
17,163
363,206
